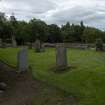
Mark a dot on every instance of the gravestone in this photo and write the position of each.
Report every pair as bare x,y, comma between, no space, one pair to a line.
3,86
61,55
14,44
42,47
1,92
39,47
1,43
23,60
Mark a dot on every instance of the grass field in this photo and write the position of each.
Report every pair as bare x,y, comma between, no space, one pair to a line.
85,80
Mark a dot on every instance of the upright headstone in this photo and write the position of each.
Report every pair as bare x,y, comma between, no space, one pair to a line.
43,47
23,60
37,46
61,55
14,44
1,43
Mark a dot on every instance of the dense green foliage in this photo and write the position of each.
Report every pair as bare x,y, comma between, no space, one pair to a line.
85,80
38,29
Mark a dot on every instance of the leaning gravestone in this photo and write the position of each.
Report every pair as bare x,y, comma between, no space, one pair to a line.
61,55
23,60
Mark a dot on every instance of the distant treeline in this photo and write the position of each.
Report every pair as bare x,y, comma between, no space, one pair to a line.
38,29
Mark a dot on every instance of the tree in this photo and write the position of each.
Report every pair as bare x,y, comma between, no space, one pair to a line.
37,30
91,34
65,31
55,35
24,31
5,28
22,35
73,33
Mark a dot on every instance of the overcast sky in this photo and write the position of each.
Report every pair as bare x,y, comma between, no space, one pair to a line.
92,12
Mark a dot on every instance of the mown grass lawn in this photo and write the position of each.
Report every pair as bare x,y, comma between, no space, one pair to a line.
85,80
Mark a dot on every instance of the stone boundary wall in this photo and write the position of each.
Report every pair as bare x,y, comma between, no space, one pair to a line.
49,44
72,45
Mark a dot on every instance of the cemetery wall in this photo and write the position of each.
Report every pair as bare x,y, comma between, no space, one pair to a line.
72,45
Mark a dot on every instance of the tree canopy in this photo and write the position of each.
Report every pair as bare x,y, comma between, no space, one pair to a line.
37,29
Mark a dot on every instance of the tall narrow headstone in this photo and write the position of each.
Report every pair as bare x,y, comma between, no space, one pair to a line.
1,43
61,55
42,47
37,46
14,44
23,60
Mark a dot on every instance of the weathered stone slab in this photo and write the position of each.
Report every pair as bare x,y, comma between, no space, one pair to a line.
3,86
61,55
1,43
1,92
14,44
42,47
37,45
23,60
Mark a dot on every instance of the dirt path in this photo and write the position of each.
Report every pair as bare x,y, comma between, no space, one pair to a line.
23,90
